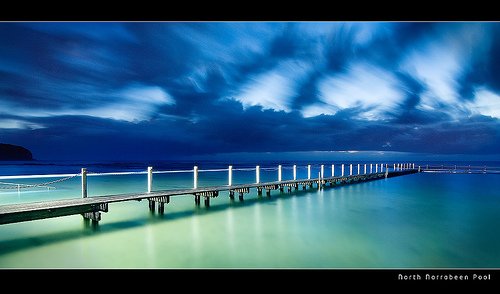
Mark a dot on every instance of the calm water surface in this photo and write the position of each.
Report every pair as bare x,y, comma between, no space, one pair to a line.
420,220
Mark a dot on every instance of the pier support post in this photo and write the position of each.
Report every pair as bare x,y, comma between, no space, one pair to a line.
259,191
207,201
376,168
308,171
84,183
358,169
294,172
279,173
381,167
161,207
365,168
230,176
342,170
333,170
350,169
197,200
413,166
257,174
231,195
394,167
371,168
195,177
419,168
150,179
151,205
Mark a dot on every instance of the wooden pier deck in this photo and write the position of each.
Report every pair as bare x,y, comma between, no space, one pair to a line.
91,207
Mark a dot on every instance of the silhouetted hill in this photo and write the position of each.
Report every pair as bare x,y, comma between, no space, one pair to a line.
14,152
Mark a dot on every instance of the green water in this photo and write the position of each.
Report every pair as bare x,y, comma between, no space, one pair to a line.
420,220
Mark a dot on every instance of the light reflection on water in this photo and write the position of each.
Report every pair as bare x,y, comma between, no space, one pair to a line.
424,220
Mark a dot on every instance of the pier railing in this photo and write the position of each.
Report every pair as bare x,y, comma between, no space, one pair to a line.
461,169
16,183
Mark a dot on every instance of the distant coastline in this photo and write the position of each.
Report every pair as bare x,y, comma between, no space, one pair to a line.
9,152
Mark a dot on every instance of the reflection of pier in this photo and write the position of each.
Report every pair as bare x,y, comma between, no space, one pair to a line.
91,207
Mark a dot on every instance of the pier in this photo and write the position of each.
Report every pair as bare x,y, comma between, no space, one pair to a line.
460,169
92,207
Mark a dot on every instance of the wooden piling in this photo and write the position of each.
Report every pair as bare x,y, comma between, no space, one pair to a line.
279,173
195,177
257,174
150,179
84,183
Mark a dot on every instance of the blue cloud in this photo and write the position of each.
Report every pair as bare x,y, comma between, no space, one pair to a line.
151,89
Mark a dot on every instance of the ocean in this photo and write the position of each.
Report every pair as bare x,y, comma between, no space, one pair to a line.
424,220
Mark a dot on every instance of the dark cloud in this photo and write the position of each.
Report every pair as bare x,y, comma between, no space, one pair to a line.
159,90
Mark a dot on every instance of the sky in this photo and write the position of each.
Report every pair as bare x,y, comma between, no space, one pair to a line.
163,90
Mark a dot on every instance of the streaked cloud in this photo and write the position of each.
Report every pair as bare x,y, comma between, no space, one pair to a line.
19,124
202,88
373,90
274,89
485,103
